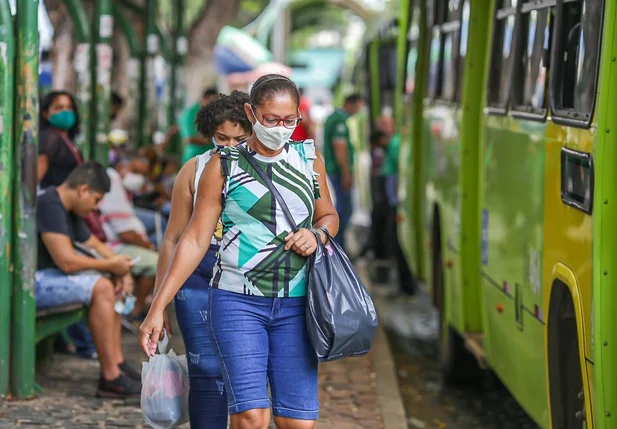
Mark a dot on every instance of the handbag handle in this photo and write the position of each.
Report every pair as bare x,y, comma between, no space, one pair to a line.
270,185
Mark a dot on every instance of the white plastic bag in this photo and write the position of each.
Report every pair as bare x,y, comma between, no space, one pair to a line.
165,389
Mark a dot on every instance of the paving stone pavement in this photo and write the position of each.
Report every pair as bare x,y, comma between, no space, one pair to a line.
347,392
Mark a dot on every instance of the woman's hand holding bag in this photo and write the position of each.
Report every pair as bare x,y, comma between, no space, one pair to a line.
340,315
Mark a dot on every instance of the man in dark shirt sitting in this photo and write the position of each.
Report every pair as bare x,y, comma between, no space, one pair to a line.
65,276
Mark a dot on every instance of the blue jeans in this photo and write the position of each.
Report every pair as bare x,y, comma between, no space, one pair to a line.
207,399
344,208
148,218
260,340
54,288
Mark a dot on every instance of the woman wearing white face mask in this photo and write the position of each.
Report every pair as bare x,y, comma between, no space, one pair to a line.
133,169
256,312
134,182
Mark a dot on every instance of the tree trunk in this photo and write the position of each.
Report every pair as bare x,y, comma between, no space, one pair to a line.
63,72
202,36
120,79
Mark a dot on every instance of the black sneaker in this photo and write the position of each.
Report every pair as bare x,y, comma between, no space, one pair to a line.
120,388
129,371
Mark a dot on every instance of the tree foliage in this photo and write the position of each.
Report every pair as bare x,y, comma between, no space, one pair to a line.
248,10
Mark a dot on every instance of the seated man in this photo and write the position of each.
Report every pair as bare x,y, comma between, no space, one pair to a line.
127,235
65,276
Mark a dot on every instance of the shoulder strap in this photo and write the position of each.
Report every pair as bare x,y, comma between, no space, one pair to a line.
270,185
71,147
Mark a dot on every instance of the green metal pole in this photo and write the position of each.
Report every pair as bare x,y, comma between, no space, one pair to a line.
181,50
83,76
147,107
141,115
101,78
7,81
24,238
161,107
146,122
177,83
141,11
133,68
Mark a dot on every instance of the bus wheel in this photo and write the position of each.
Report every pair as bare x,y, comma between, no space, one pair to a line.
567,394
458,365
406,281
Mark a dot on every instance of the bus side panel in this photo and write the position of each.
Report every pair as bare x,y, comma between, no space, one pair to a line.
443,189
567,236
513,217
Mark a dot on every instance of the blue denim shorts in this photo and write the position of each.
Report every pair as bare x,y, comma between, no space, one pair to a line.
263,340
54,288
207,398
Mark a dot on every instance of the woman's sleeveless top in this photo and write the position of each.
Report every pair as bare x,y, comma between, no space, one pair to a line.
200,165
252,259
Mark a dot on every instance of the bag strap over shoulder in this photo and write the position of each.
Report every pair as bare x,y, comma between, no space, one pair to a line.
270,185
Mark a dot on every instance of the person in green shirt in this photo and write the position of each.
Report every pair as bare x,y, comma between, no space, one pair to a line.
193,143
390,169
339,159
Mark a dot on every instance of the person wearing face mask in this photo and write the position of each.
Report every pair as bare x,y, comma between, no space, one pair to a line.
224,122
132,170
256,312
59,125
126,235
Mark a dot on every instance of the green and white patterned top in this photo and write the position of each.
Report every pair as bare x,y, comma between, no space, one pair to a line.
252,259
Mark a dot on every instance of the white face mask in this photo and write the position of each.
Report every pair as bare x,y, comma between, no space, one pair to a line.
217,146
133,182
273,138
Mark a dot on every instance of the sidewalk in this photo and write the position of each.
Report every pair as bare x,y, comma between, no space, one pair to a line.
357,393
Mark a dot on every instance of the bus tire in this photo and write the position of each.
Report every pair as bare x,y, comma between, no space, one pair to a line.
406,280
566,391
458,365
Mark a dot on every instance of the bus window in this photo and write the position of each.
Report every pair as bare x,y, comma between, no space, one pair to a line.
387,66
445,68
463,49
453,8
412,55
531,68
577,179
576,66
502,57
412,60
448,82
434,67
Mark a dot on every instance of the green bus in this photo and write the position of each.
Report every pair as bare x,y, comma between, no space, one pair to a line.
508,193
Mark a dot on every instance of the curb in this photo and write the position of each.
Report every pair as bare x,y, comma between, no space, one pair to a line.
388,392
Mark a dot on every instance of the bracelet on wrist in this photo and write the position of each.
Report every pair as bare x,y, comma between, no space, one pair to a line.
321,233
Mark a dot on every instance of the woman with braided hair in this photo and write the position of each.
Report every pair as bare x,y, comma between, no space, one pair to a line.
223,120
